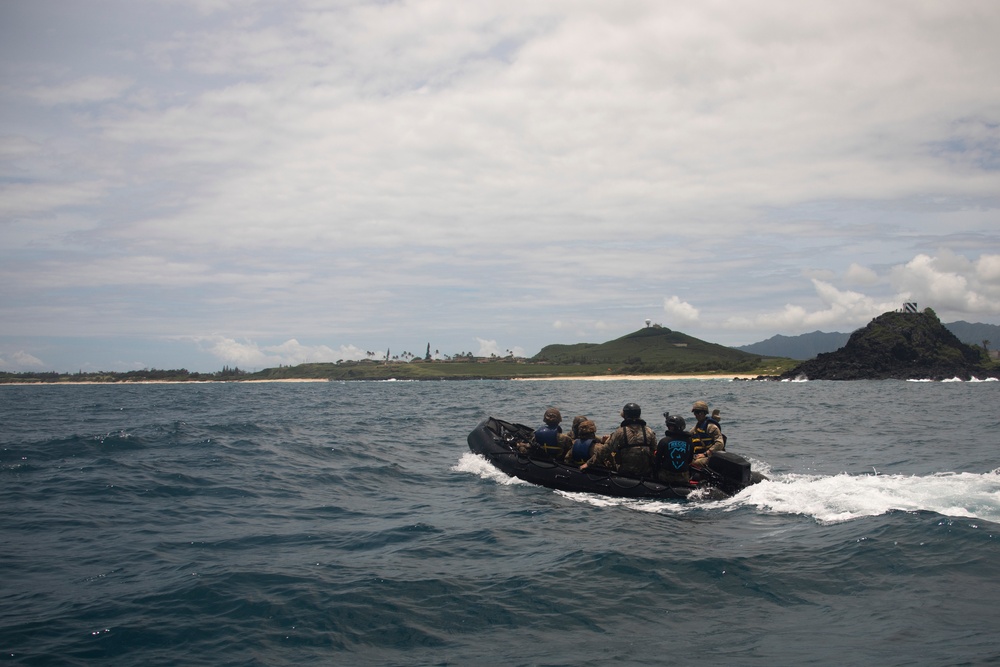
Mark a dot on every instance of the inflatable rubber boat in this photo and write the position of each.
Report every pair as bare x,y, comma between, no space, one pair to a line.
502,444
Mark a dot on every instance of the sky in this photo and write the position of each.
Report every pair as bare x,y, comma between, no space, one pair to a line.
200,183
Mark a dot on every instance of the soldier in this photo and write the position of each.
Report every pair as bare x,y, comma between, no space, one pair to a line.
585,443
632,443
672,460
574,432
549,438
706,435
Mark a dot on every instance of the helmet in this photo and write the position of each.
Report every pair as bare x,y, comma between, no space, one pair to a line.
676,424
631,411
552,415
700,405
587,427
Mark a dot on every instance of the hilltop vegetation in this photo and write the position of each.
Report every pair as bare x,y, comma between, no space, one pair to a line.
655,349
900,346
809,345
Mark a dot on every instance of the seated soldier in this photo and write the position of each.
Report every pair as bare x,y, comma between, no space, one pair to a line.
632,443
706,435
574,431
550,441
585,444
672,460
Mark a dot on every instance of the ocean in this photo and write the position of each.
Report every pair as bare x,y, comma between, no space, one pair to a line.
348,523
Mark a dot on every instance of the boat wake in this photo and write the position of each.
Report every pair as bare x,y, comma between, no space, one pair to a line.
839,498
827,499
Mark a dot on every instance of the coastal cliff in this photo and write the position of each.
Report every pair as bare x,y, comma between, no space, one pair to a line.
898,346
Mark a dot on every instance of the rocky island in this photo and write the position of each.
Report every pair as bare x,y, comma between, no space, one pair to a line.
899,346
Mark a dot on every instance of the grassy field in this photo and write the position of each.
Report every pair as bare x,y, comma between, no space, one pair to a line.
461,370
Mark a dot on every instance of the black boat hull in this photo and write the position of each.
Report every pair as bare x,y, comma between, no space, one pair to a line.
496,440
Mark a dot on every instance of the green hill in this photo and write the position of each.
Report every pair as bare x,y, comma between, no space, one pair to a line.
654,350
900,346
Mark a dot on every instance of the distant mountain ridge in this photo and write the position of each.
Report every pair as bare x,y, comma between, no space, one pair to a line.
804,346
807,346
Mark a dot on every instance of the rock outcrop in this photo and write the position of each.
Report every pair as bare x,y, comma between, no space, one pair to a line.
899,346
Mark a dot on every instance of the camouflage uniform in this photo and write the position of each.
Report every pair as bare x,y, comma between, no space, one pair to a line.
706,435
550,441
632,445
585,444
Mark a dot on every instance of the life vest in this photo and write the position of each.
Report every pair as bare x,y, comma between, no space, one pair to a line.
635,458
581,450
702,439
547,438
641,425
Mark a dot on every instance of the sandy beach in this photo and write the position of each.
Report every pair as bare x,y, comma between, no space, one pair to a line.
607,378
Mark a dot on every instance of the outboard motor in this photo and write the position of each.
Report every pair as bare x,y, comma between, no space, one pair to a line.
733,469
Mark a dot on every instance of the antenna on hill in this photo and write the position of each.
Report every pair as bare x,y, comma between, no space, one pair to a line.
647,322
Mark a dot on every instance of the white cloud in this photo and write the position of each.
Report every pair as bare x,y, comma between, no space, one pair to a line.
842,308
617,103
21,361
988,271
249,354
950,283
81,91
679,313
18,199
487,348
490,347
860,275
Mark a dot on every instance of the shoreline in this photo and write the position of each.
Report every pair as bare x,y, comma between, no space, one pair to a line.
132,382
554,378
608,378
582,378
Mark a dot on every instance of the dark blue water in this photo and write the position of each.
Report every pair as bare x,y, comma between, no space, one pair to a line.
329,523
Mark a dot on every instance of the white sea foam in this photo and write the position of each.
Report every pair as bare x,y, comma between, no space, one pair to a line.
478,465
833,499
640,504
839,498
